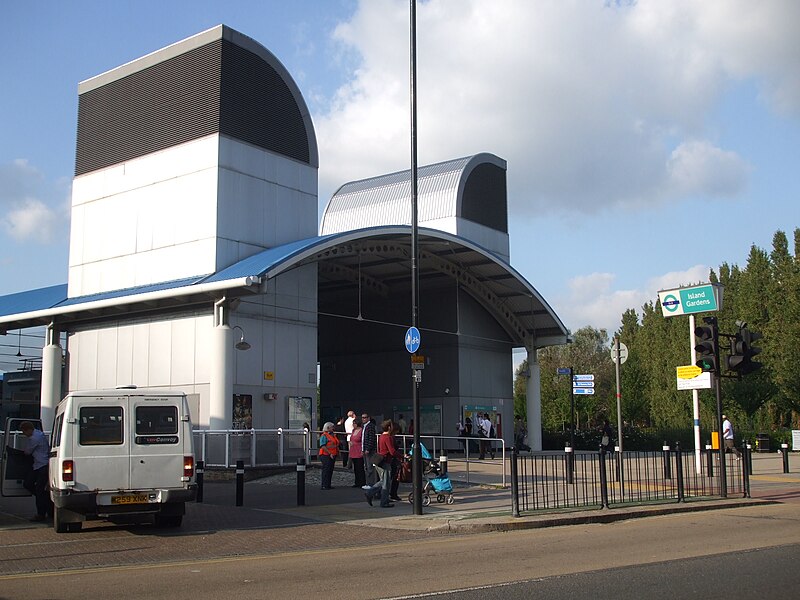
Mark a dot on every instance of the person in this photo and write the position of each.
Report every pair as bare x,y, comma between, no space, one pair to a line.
387,450
401,423
357,454
520,433
395,467
369,445
37,480
727,436
342,437
348,429
467,432
606,436
328,450
485,430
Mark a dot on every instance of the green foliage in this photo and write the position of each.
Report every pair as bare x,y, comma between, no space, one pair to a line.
765,294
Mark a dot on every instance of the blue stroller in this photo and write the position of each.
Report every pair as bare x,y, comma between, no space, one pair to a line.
435,480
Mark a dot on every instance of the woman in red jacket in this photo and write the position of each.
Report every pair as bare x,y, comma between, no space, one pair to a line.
386,450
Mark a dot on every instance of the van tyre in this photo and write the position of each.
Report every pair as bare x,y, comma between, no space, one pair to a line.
62,526
168,520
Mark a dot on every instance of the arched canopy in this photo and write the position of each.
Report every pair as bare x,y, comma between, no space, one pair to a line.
377,257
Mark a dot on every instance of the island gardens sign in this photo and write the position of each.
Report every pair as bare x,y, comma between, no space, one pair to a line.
690,300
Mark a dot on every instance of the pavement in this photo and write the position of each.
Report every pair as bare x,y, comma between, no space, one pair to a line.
480,504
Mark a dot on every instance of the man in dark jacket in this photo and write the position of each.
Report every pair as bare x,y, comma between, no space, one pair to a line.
369,445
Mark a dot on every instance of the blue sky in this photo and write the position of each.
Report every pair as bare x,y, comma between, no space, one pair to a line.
646,141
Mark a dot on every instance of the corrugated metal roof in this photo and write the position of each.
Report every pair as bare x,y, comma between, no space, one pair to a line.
31,300
384,200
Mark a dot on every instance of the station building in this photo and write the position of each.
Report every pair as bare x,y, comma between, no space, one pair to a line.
197,263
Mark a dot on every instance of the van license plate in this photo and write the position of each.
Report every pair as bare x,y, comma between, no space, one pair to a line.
130,499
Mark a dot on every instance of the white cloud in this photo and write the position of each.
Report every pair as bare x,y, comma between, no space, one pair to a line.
591,299
31,208
594,105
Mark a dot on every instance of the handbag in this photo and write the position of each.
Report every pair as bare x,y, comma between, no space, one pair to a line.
605,440
404,472
377,460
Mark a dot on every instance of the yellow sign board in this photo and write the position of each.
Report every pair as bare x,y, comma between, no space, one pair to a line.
269,375
688,371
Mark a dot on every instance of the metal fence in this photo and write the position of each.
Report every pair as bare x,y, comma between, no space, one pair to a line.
255,447
553,480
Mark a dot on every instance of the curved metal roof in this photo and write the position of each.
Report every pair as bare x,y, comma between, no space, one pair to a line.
378,257
384,200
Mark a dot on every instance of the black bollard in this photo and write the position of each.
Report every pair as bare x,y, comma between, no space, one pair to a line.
785,453
747,467
239,482
603,478
569,459
301,482
667,464
514,482
443,462
679,470
199,471
709,461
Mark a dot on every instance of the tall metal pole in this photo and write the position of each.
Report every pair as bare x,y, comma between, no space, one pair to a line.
698,465
617,364
416,463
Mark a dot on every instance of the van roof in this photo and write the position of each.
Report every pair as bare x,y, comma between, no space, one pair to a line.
119,392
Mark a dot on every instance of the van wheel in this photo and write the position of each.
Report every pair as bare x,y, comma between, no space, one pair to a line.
168,520
61,526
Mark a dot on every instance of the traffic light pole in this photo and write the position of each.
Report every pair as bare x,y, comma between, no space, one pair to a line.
723,471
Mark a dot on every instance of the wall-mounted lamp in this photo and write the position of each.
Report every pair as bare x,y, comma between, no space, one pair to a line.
241,344
446,391
19,343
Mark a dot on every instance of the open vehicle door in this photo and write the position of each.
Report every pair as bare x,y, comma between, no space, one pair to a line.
15,466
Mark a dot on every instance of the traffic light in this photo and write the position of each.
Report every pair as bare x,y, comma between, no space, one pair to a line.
706,348
743,351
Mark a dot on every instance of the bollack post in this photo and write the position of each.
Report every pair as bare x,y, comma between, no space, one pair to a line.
603,478
667,465
709,461
443,462
569,459
679,469
514,482
785,453
199,474
301,482
239,482
747,467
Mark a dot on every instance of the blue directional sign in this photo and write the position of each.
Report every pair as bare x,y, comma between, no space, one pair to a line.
412,339
583,390
583,383
563,371
588,377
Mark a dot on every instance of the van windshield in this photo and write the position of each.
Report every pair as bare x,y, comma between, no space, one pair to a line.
156,420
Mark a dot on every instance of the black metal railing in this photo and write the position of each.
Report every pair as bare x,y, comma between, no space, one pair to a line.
564,480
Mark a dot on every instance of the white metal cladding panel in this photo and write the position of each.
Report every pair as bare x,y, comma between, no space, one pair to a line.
106,358
160,354
387,200
182,358
124,353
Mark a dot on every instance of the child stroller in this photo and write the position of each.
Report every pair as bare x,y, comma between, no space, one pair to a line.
435,480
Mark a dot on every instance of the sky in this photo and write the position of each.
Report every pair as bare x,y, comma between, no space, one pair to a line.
647,142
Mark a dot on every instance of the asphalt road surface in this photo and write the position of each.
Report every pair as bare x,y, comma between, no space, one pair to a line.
731,553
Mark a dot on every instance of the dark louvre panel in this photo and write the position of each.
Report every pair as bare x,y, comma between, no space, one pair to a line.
218,87
164,105
484,199
258,107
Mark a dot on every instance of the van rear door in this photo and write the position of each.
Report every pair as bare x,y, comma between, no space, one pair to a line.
157,444
100,447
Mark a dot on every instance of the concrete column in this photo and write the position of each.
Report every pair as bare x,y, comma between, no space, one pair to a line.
51,377
533,397
220,411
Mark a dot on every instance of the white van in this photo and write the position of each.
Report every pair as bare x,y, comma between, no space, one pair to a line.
119,454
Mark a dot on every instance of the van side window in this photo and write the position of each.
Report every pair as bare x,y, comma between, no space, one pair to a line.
100,425
156,420
56,441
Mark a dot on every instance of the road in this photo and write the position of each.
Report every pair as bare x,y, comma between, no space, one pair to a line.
675,556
